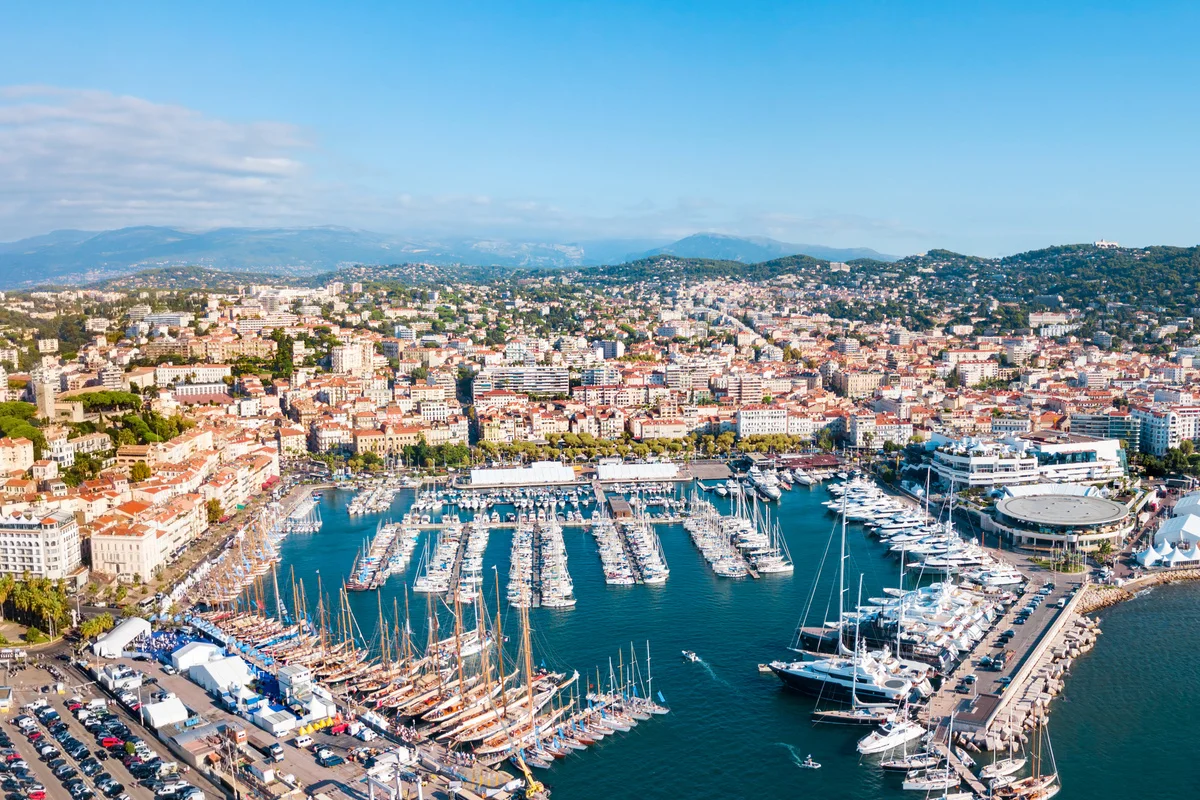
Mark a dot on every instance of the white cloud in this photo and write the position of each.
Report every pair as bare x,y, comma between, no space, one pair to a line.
89,159
96,160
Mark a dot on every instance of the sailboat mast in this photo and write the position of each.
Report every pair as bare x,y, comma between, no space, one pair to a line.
525,643
842,574
900,602
649,677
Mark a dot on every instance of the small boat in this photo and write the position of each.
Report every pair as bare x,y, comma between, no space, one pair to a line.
931,780
765,668
1006,766
688,655
808,763
911,762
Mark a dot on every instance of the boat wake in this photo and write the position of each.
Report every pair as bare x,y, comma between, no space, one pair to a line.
713,674
796,757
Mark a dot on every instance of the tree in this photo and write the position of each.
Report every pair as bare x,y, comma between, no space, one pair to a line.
7,582
215,512
95,626
1104,551
139,472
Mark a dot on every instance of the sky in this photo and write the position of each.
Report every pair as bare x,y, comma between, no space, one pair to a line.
986,128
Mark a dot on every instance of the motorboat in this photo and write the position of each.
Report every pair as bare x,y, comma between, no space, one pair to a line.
891,734
808,763
688,655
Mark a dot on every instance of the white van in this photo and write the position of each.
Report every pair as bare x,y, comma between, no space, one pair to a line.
302,741
97,705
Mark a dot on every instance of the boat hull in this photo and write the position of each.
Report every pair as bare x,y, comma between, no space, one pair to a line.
831,690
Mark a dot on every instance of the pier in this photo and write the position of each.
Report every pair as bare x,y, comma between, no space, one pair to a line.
456,567
942,745
536,555
623,537
998,706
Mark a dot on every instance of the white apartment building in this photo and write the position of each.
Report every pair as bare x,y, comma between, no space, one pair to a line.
1164,427
1007,426
435,410
761,420
128,550
45,544
167,374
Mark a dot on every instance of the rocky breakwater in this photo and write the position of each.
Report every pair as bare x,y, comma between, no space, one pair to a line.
1029,707
1102,596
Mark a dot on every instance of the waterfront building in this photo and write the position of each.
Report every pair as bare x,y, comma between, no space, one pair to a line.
1165,426
761,420
1059,516
1029,458
538,473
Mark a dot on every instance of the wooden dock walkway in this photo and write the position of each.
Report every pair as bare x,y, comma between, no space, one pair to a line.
942,745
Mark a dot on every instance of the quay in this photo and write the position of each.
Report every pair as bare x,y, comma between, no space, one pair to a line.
1004,703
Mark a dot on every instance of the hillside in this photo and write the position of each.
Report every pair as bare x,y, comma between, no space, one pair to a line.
756,249
74,257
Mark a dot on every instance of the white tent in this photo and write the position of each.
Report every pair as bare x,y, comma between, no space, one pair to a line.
1188,505
1178,530
171,711
637,472
1148,558
540,472
113,643
194,653
222,675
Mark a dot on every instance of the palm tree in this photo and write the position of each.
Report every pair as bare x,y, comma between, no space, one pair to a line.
7,582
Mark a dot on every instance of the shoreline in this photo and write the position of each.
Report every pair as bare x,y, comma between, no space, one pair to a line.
1099,597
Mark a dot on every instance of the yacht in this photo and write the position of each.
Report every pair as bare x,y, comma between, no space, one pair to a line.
891,734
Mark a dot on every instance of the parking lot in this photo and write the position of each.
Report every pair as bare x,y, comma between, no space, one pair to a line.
1024,638
60,732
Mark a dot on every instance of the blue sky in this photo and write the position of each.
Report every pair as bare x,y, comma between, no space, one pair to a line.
982,127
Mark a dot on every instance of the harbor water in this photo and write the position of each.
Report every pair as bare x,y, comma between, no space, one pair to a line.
732,731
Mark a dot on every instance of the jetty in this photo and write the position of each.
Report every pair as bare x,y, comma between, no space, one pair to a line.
1004,703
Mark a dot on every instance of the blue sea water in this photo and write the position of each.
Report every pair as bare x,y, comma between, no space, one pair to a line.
732,731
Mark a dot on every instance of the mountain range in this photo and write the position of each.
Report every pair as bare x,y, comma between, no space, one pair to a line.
74,256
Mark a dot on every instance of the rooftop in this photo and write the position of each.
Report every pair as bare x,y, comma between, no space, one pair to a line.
1062,510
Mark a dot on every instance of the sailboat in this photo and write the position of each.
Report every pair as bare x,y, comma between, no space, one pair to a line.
930,780
1039,785
859,713
862,677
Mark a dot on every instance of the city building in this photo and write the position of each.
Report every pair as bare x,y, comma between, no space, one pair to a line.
40,544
